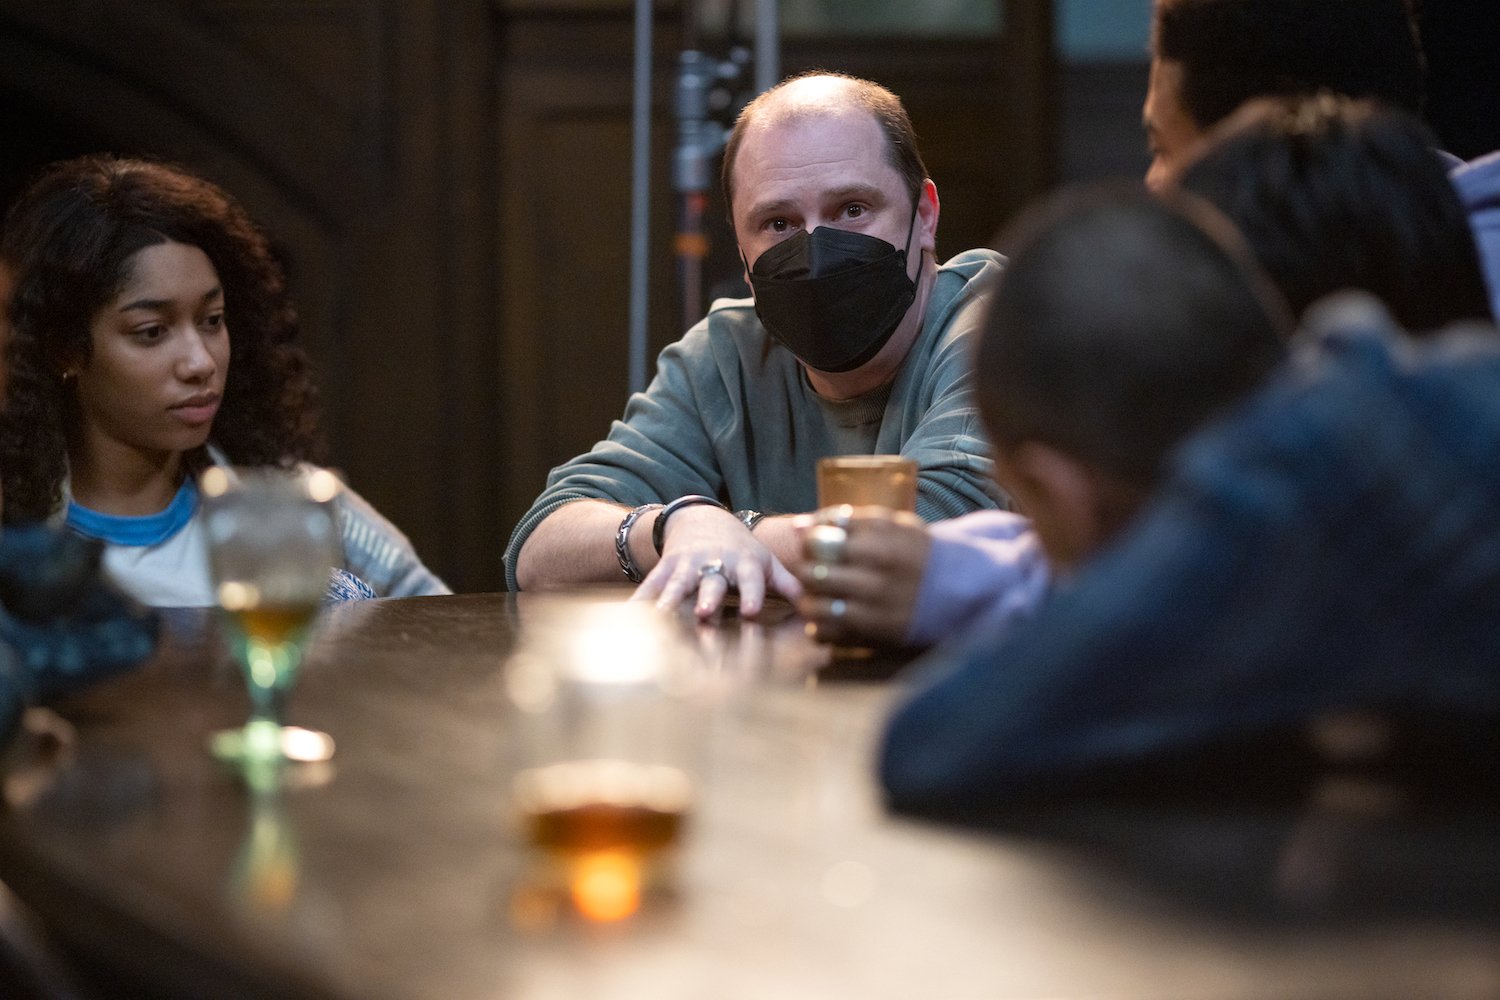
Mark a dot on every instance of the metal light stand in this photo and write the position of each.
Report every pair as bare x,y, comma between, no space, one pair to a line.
701,91
640,197
704,90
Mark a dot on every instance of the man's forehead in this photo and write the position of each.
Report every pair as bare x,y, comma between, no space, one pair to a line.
808,137
795,128
811,92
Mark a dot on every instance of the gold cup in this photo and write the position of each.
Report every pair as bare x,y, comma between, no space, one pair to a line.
861,481
868,480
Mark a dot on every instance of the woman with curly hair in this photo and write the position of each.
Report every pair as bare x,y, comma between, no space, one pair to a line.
151,337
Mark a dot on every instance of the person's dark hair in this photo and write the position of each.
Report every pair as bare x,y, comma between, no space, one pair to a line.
1334,193
68,242
900,139
1233,50
1122,322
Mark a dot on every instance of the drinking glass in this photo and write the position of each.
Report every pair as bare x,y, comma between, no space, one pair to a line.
610,723
273,539
868,480
847,481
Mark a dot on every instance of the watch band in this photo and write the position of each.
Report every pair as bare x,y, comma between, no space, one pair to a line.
749,518
659,529
622,541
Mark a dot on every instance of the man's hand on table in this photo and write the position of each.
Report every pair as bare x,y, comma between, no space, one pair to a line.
707,550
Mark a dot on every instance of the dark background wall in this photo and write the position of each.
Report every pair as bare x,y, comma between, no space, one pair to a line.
449,182
1462,43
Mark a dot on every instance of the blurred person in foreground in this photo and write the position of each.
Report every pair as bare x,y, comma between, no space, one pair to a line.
856,342
1165,326
1208,58
1330,193
1478,184
61,626
1328,544
1333,193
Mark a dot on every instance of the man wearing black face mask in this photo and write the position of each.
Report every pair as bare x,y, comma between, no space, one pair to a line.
856,341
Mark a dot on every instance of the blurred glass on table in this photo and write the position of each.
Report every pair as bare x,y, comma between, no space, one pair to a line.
611,723
273,539
868,480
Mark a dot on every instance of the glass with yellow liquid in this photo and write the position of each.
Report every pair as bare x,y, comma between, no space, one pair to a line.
273,539
610,723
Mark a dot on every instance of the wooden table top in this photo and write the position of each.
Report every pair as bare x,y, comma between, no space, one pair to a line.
397,872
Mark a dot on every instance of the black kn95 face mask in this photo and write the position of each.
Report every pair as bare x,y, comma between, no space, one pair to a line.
831,297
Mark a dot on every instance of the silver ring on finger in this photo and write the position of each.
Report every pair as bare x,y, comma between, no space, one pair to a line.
825,543
838,608
714,568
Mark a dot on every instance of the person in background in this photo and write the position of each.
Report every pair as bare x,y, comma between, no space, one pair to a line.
1208,57
152,336
856,342
1320,559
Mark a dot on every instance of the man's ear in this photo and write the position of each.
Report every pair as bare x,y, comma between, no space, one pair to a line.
928,208
1063,497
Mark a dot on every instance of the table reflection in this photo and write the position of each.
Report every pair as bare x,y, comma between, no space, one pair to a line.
409,870
267,871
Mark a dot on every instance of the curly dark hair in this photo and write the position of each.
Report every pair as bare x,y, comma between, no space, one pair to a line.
68,244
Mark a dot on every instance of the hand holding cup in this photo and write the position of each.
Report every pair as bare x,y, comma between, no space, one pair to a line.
861,569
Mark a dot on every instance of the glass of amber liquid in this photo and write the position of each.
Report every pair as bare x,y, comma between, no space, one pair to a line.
610,724
273,538
868,480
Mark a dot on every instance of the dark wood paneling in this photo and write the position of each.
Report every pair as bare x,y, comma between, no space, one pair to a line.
418,423
564,253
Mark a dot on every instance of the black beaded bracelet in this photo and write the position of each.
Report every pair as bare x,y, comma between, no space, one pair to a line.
622,542
659,529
